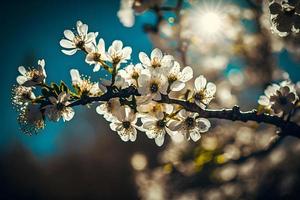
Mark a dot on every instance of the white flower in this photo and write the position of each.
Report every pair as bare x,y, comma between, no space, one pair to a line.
126,13
152,85
109,109
22,95
189,125
59,108
279,98
84,86
81,40
97,55
158,61
154,109
31,119
131,73
32,77
125,124
203,92
156,127
178,79
116,54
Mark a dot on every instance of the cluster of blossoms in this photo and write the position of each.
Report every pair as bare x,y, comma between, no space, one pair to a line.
140,97
285,17
280,99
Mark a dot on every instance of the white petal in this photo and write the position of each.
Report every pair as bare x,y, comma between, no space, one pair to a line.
22,70
75,76
113,126
200,82
68,114
117,45
83,29
144,59
156,53
211,88
203,124
195,135
264,101
127,53
69,52
21,80
96,68
101,46
187,74
133,135
67,44
177,86
160,140
69,34
167,61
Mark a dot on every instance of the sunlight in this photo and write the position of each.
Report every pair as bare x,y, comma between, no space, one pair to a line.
208,22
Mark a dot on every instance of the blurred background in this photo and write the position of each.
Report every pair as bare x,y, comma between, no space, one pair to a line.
83,159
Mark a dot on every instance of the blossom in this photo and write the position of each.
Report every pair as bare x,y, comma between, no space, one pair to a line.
285,17
84,86
125,124
22,95
203,92
157,60
116,54
59,108
31,119
156,125
32,77
80,40
152,85
131,73
177,78
279,98
109,109
153,109
97,55
126,13
190,125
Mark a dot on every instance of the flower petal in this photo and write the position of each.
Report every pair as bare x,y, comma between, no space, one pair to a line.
144,59
156,53
69,34
187,74
200,83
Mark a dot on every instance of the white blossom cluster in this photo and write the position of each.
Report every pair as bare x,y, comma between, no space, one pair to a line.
280,99
155,78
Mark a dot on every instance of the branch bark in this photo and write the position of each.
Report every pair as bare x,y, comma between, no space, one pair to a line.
234,114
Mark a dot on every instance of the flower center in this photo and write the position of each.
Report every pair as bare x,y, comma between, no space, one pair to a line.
126,124
283,100
161,123
135,75
199,96
172,78
97,57
190,122
154,87
156,63
60,106
80,44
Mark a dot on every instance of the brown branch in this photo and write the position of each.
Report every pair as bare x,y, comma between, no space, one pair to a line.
234,114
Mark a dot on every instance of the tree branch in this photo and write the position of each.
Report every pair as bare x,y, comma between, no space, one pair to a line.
234,114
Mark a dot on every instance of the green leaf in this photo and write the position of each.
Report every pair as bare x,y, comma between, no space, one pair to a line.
56,88
64,87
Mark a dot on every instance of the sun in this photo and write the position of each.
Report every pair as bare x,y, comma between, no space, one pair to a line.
208,22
